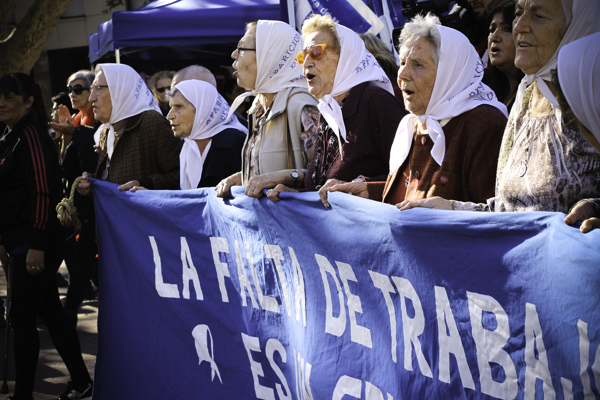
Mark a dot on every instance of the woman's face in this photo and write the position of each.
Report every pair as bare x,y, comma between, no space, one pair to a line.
416,76
320,73
100,98
13,108
245,61
165,85
501,46
181,116
79,101
536,32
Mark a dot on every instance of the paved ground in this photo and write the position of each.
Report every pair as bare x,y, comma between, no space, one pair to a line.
52,375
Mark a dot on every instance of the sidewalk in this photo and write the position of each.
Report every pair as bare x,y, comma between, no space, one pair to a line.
52,375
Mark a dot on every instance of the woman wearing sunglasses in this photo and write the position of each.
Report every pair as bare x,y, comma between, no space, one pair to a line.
160,83
78,86
282,119
78,156
358,111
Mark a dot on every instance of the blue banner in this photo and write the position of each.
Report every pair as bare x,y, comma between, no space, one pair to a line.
205,298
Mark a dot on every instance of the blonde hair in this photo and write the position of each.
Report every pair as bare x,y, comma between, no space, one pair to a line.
322,23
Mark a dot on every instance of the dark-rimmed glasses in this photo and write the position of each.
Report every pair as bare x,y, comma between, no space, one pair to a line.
162,89
97,88
316,53
77,89
239,49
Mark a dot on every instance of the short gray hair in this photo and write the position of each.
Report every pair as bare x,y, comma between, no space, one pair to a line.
423,27
197,72
86,75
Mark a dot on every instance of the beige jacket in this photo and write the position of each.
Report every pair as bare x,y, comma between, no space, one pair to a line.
272,151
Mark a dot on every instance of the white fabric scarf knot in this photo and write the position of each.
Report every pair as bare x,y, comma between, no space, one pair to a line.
277,44
212,116
355,66
457,89
129,95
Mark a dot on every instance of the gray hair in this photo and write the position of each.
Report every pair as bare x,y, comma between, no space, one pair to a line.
423,27
86,75
197,72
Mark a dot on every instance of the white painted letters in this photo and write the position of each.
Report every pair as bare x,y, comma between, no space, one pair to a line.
489,347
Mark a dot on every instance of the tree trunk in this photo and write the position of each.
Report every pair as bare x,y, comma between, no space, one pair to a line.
20,50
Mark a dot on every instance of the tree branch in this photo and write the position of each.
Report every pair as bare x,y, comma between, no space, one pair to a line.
21,51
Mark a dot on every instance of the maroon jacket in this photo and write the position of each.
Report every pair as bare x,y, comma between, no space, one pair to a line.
371,116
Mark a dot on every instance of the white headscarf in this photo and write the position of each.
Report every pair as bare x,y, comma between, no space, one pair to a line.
355,66
129,95
277,44
585,20
579,77
457,89
211,118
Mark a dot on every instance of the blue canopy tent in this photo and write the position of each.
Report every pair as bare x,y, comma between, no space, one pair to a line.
188,24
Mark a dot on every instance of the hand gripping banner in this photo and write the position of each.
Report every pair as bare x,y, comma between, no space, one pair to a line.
206,298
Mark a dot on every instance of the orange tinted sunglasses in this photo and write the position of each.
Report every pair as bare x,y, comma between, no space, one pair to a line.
315,52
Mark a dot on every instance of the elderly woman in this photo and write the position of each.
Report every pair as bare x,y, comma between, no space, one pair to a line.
544,165
578,86
503,76
356,139
282,118
160,83
212,140
136,145
449,142
32,242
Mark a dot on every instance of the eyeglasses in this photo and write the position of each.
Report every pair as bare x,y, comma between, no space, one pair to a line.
239,49
162,89
78,89
96,89
316,53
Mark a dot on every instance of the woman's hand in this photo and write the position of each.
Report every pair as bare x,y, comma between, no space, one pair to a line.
4,260
256,184
65,124
437,203
132,186
223,189
335,185
84,187
34,262
273,194
583,211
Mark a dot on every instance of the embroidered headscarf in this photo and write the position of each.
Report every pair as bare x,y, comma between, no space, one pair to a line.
211,118
129,96
457,89
277,44
355,66
579,77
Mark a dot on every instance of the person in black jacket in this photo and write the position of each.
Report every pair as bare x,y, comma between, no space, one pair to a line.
32,242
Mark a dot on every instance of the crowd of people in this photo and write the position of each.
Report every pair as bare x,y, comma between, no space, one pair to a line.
332,112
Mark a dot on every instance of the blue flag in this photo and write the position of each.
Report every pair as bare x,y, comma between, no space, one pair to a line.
242,298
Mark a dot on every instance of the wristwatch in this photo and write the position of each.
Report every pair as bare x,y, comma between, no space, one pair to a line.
294,174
